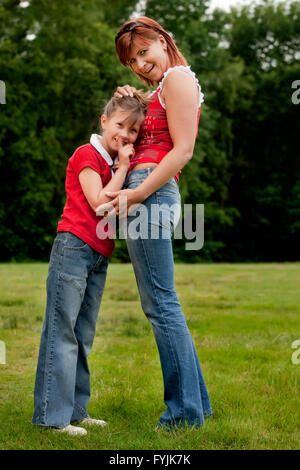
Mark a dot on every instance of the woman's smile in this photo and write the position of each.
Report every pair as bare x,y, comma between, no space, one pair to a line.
150,59
150,70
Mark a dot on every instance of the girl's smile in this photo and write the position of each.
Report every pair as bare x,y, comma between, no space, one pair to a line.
118,127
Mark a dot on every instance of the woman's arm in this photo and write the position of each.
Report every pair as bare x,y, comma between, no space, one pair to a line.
180,95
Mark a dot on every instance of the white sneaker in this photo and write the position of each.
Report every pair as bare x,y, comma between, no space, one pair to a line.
93,422
72,430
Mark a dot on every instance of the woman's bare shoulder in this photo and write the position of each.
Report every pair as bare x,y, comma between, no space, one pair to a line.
180,80
178,73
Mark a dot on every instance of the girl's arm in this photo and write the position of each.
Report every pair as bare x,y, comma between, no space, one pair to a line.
92,187
91,182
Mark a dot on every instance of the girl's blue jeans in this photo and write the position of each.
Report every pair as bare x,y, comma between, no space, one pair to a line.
185,392
75,284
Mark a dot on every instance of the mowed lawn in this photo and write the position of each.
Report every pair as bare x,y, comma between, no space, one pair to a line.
243,318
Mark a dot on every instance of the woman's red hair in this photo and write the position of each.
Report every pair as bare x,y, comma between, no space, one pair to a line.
150,32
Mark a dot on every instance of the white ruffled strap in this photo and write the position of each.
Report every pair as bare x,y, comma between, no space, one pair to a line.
186,69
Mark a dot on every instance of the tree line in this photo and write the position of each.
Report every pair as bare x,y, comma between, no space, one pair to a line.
59,66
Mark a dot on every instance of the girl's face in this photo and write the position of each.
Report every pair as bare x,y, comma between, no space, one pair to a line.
149,59
118,127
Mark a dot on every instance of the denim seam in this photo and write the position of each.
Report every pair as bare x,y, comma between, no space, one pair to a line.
172,222
70,235
174,355
99,261
76,284
166,193
82,411
76,248
167,330
50,351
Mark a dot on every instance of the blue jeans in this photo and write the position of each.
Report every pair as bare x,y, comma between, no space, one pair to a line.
75,284
185,392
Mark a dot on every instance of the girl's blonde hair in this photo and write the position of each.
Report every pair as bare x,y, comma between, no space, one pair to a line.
136,106
147,30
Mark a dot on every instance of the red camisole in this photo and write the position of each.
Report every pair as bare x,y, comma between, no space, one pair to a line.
154,141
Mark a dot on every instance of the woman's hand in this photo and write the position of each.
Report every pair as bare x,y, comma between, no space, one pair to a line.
125,90
123,202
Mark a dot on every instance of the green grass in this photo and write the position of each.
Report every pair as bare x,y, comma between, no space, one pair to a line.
243,318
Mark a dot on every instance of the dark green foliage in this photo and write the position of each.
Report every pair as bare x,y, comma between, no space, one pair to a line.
246,162
57,85
245,168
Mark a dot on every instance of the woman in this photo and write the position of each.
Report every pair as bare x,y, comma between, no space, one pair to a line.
165,145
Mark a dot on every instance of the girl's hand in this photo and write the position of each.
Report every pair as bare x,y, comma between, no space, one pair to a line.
123,202
125,90
125,152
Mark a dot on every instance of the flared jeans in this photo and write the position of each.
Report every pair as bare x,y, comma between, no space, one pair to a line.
75,284
148,235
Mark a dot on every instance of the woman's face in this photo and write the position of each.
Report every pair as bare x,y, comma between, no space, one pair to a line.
149,59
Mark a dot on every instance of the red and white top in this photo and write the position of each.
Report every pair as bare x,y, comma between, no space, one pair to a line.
154,141
78,217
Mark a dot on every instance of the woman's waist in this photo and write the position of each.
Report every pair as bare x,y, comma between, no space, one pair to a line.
141,166
148,155
147,164
137,176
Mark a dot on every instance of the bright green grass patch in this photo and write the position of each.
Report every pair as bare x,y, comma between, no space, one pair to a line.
243,318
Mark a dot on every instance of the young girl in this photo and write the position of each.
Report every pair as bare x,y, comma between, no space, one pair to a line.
77,269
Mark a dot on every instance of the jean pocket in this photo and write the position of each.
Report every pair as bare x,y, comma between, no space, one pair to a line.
169,189
71,282
74,243
169,209
133,184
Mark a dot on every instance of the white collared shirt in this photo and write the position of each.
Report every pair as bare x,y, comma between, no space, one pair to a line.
95,141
